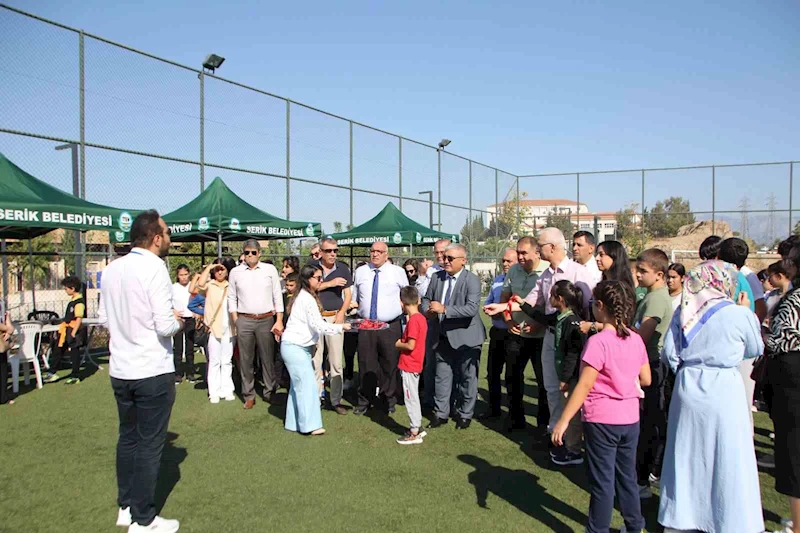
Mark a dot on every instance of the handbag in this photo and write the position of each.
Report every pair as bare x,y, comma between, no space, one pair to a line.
759,373
201,330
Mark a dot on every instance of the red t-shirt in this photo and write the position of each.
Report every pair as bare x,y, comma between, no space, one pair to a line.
417,329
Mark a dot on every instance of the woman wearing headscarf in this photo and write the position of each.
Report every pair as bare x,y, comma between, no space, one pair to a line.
709,480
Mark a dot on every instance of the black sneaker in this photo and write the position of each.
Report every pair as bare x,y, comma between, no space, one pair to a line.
567,458
360,410
437,422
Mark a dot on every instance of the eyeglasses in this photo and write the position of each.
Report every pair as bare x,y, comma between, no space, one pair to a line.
541,244
450,258
251,252
318,278
411,271
241,261
378,252
331,250
315,254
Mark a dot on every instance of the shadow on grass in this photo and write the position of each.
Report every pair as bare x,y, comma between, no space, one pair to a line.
520,489
170,472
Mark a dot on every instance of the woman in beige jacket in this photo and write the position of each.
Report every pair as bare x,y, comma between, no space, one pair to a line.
213,284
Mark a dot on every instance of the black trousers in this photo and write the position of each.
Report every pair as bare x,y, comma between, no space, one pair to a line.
182,343
495,365
4,395
350,348
653,417
377,364
144,407
519,350
58,354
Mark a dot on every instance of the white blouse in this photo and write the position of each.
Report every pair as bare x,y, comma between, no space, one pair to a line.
306,323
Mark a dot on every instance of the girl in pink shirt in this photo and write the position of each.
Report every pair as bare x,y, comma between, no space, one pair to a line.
607,390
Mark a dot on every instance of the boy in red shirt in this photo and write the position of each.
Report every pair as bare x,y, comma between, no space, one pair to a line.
412,356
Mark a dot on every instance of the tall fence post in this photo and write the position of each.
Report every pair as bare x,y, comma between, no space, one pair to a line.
469,217
791,186
643,222
496,211
5,274
519,214
578,206
713,200
288,157
400,170
439,186
351,176
202,131
81,267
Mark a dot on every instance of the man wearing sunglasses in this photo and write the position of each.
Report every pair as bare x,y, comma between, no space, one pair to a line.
377,291
452,304
335,296
315,254
255,302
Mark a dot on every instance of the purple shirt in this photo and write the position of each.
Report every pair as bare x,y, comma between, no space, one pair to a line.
579,275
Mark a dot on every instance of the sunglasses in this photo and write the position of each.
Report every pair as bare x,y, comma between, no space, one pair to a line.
331,250
411,271
251,252
450,258
318,278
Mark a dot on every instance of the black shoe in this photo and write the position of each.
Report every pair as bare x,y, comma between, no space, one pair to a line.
515,425
392,409
360,410
463,423
490,415
437,422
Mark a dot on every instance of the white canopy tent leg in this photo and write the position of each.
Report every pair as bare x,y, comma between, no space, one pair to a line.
219,245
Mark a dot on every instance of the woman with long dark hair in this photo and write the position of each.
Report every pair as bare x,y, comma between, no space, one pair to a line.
613,262
299,339
411,267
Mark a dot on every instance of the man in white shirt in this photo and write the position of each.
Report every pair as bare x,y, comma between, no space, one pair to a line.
377,291
429,370
255,302
583,247
137,310
183,343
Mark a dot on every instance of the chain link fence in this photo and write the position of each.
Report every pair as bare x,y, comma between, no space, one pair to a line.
151,133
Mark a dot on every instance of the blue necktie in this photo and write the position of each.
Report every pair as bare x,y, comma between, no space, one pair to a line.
373,304
449,289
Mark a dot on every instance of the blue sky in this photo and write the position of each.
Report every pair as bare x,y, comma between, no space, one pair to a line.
527,87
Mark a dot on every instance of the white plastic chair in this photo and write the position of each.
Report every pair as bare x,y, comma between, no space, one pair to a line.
31,340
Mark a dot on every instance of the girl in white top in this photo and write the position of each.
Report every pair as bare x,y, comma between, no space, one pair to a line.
298,341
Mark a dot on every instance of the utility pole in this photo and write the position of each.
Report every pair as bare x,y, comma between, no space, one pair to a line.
744,205
771,208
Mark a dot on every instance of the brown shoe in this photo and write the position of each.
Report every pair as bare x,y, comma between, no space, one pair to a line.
249,404
340,410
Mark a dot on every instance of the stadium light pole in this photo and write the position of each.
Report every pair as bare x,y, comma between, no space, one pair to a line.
76,190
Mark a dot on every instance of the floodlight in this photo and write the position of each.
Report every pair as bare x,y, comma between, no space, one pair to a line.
443,143
213,62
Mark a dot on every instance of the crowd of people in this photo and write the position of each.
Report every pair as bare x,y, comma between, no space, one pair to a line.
646,370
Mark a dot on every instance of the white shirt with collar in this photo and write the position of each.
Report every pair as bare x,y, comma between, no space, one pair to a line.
306,324
391,279
136,307
256,290
450,280
180,299
594,271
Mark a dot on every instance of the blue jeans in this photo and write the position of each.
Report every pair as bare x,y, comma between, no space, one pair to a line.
611,462
303,412
144,407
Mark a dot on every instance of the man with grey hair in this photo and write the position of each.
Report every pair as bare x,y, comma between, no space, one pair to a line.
429,369
553,249
255,302
452,305
334,296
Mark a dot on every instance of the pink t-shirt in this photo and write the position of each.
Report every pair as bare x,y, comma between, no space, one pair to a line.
614,399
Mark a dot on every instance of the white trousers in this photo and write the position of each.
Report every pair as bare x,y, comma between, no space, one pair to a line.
555,398
220,367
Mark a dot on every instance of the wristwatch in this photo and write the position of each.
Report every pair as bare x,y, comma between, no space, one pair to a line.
593,328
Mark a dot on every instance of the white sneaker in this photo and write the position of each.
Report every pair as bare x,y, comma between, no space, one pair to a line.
654,481
230,398
214,399
124,517
644,492
158,525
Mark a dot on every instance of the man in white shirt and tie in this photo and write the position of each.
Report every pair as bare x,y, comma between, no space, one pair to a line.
137,310
377,291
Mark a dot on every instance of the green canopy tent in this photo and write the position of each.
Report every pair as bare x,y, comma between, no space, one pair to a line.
218,214
392,227
30,207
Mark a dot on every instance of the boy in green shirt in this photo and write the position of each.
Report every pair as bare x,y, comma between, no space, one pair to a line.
653,316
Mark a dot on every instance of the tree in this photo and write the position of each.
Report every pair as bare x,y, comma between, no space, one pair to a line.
629,229
473,231
667,217
509,213
39,272
68,245
337,227
561,220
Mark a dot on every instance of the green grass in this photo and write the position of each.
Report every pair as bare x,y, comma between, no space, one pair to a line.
230,470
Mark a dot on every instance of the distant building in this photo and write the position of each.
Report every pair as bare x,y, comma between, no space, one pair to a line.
535,212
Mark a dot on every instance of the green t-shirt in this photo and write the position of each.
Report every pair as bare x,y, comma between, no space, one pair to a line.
657,304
